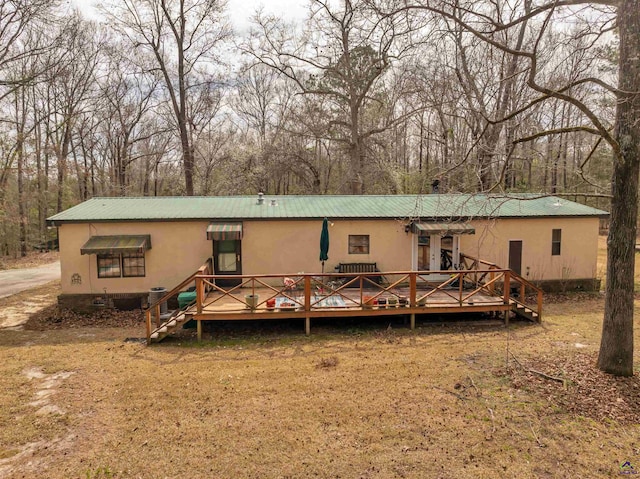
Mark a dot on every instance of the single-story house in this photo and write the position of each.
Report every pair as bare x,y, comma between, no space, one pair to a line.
120,248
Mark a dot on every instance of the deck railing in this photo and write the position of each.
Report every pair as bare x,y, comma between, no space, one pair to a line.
154,308
480,285
313,292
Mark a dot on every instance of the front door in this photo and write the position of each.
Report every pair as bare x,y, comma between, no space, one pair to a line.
435,263
227,260
515,256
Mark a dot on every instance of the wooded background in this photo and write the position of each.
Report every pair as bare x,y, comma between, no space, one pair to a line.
161,97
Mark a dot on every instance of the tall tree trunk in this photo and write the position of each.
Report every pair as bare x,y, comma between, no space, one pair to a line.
63,153
79,175
41,192
187,157
355,153
509,167
616,346
554,169
421,144
85,176
20,124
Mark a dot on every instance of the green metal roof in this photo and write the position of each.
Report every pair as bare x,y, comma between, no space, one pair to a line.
413,207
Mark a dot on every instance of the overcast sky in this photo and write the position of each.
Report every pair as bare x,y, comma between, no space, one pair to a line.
240,11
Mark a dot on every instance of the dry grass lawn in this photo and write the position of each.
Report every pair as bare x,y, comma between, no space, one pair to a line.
442,401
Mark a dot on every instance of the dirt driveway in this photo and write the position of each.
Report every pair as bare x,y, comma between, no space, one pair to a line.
13,281
25,291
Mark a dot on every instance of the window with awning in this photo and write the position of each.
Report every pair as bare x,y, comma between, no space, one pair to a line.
443,229
117,244
224,231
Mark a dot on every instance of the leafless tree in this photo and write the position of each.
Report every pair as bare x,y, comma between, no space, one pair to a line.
616,349
126,92
343,55
71,83
184,37
22,21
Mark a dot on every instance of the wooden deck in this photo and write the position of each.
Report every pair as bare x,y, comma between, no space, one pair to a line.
317,296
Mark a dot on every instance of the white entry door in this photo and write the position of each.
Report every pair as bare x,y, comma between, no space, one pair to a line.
435,246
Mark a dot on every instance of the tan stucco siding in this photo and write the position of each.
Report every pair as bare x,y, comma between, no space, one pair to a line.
177,250
268,247
294,246
578,254
290,246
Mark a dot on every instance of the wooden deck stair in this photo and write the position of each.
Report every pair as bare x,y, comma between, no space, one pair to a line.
524,312
179,317
177,320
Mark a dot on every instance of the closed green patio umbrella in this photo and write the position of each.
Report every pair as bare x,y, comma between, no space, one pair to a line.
324,242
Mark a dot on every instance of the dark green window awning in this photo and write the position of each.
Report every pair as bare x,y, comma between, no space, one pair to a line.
224,231
117,244
442,229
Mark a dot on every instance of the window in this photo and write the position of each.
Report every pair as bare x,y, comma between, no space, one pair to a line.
227,256
132,265
127,265
358,244
556,236
108,266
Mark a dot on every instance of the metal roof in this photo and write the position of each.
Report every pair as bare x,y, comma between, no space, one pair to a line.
411,207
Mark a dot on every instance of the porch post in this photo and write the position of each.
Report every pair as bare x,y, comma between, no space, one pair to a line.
307,304
414,252
455,253
199,294
507,295
147,317
413,288
199,329
413,292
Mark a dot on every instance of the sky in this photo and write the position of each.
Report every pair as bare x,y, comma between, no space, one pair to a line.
240,11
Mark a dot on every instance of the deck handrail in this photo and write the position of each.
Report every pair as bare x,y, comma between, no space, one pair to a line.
524,284
474,276
514,277
206,268
479,261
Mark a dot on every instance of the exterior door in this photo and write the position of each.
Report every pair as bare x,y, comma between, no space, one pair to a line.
435,251
423,257
227,260
515,256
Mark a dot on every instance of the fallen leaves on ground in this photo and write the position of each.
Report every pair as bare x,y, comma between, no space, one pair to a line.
32,259
54,317
586,391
